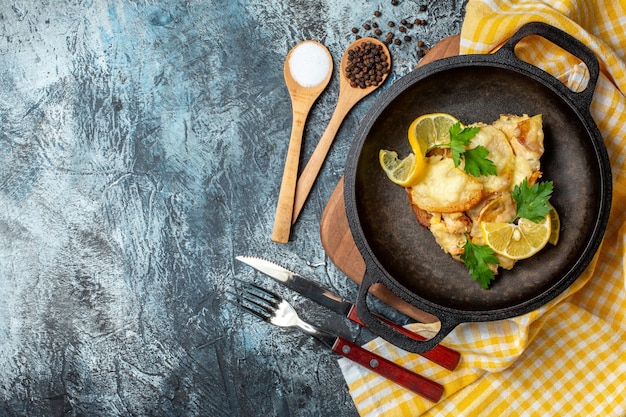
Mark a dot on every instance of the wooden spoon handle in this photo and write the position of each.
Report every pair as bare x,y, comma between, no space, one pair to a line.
313,167
284,208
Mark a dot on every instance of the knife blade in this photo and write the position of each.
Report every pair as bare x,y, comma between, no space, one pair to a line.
440,355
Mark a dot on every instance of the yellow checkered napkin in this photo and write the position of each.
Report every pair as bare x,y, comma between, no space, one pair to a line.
567,358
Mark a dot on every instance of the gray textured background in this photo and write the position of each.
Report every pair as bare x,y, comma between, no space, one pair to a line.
141,148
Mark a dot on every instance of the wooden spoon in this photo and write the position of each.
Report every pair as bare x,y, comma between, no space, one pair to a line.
348,97
302,99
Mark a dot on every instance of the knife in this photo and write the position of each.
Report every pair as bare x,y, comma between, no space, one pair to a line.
440,355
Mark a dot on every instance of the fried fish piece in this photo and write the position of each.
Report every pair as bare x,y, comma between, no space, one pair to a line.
525,134
445,188
500,153
452,203
450,231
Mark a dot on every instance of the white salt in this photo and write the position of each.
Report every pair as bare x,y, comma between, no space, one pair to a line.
309,64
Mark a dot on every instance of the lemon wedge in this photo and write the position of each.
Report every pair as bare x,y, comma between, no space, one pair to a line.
555,223
425,132
430,130
517,241
405,172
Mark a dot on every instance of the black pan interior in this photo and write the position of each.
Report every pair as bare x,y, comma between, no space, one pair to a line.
409,254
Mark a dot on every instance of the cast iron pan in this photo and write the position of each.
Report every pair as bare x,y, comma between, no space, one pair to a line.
403,256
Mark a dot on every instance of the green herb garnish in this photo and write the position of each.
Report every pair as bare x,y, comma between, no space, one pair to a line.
532,202
476,161
477,258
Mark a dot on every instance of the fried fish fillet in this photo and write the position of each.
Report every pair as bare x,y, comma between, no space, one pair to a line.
444,188
452,203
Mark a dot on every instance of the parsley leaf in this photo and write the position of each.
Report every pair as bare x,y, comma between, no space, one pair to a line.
476,162
532,202
459,139
477,258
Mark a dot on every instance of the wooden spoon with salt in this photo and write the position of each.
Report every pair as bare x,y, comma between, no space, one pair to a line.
348,97
307,74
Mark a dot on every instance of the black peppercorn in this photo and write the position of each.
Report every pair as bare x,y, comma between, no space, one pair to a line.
423,8
407,38
397,41
366,26
355,30
402,29
374,25
394,2
378,32
390,24
377,13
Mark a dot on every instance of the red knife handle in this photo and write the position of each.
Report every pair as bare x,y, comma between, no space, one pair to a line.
440,355
420,385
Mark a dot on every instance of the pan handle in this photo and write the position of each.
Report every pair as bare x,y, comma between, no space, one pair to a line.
393,336
568,43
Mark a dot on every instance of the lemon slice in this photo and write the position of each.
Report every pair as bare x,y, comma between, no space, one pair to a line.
555,223
405,172
430,130
517,241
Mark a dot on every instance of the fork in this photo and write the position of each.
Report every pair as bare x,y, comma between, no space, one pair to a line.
272,308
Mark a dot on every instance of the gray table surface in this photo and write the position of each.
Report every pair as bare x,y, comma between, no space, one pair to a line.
141,149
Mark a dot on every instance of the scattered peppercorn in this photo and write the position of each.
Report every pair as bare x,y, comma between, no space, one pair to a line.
367,65
394,2
399,32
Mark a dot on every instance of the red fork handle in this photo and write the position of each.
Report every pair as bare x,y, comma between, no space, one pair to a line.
440,355
420,385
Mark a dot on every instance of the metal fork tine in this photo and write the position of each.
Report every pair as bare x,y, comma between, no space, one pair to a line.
259,302
252,307
262,315
263,293
269,305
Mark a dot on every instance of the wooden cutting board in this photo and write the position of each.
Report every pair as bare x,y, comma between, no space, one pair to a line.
335,231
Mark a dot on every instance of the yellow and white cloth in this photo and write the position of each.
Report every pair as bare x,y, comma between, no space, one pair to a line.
567,358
